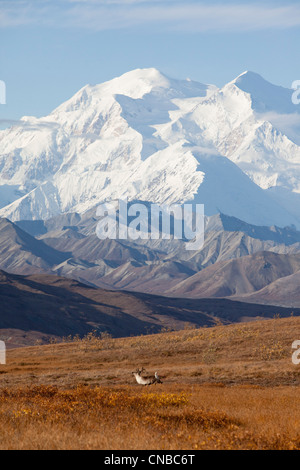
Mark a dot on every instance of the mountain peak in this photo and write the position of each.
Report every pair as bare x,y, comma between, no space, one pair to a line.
265,96
136,83
147,75
249,81
248,75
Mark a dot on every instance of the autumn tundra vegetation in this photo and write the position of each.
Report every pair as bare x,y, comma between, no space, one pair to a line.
224,387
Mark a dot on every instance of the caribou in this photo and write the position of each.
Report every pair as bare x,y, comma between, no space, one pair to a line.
154,379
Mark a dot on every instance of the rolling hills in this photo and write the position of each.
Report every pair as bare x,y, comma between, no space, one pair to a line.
41,307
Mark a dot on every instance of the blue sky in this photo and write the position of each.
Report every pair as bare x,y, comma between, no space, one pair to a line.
51,48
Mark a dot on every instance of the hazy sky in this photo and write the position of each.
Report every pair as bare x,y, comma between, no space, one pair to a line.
51,48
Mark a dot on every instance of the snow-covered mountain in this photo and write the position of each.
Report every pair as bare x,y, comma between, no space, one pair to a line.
148,137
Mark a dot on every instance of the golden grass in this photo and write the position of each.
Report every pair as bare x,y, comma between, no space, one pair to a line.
228,387
204,417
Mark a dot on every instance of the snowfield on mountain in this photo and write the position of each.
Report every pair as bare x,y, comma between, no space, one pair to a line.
151,138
